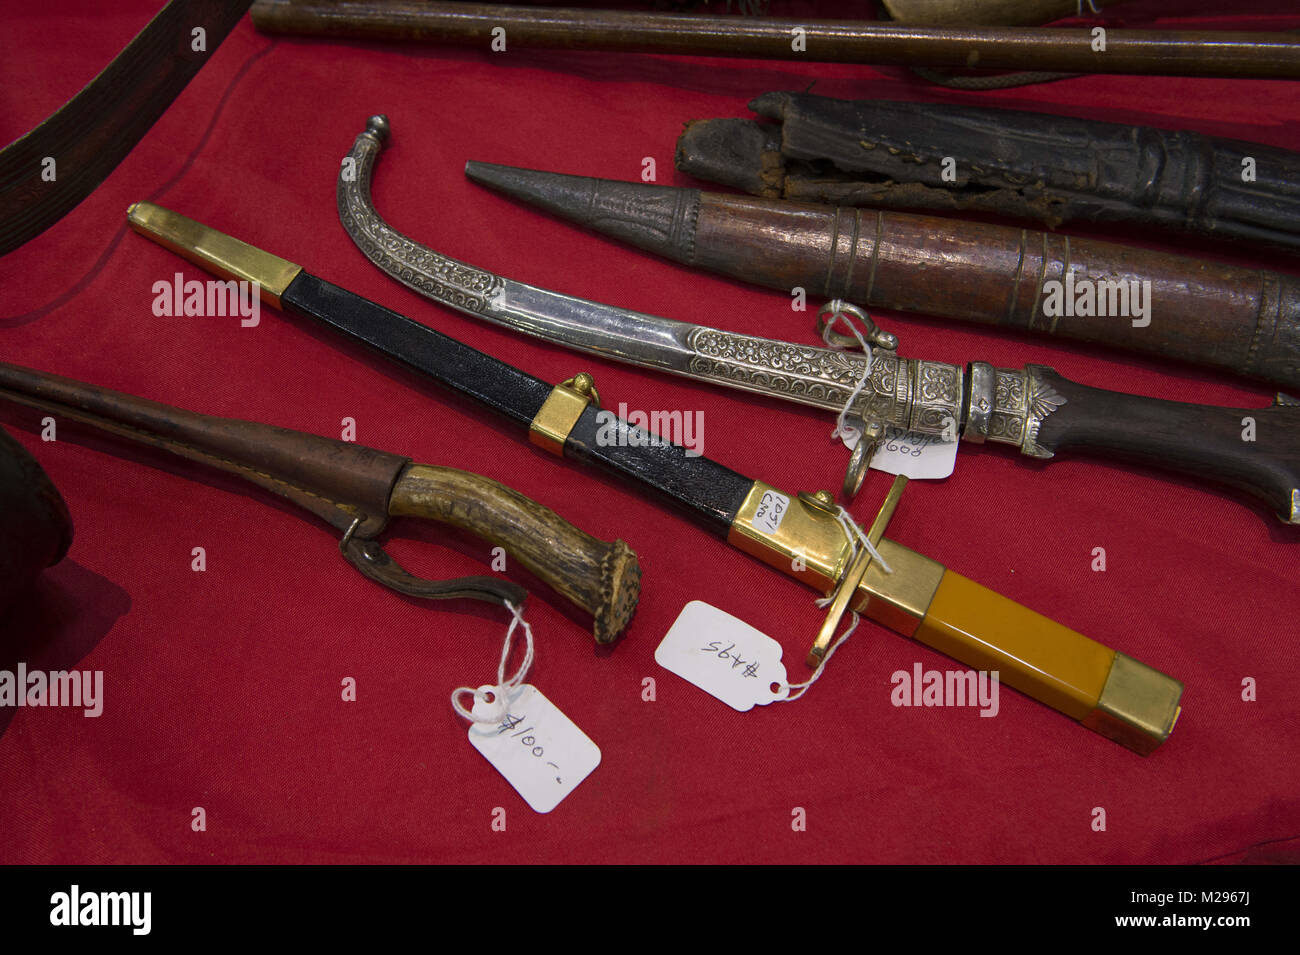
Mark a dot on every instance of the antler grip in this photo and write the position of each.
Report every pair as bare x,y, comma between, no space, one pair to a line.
602,578
1108,692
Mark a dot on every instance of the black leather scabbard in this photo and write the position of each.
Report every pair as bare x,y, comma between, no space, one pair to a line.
710,493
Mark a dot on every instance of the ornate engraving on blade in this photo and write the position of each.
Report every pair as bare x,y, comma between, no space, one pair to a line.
1021,402
415,266
916,395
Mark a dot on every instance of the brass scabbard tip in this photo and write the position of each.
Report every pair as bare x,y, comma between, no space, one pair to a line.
220,254
1138,706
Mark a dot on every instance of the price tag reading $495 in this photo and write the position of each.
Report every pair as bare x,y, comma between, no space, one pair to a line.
724,656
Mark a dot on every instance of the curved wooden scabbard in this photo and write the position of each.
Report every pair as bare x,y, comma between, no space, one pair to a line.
101,124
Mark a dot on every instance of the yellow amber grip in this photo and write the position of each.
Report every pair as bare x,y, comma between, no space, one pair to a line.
1109,692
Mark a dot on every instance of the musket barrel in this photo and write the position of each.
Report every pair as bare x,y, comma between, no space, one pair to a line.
1256,55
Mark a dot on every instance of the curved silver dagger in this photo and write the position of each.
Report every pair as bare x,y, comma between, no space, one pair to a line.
929,397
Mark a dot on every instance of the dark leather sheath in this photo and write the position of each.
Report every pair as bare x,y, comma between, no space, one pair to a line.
702,488
1053,169
347,485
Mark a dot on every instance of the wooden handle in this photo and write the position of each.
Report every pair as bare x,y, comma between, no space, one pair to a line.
1254,449
1185,53
1108,692
603,579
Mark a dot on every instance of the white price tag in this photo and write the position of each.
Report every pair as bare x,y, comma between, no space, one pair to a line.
539,750
914,455
723,656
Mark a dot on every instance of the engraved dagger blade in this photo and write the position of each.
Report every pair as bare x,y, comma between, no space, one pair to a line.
916,395
806,374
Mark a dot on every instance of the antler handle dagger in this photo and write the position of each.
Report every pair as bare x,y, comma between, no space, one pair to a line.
356,489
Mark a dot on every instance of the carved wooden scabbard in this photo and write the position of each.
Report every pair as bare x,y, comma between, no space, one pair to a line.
1052,169
1241,320
356,489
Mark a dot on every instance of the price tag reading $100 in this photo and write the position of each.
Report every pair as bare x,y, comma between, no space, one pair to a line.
539,750
723,656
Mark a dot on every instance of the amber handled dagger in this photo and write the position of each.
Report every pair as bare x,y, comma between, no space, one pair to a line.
801,535
356,489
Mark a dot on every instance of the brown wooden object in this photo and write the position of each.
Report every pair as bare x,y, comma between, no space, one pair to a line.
1260,55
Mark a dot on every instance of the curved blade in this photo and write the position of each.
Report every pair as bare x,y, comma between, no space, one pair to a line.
806,374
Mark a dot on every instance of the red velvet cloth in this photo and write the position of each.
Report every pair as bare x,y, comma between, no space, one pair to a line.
223,688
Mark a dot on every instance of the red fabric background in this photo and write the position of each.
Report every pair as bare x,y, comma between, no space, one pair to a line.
223,688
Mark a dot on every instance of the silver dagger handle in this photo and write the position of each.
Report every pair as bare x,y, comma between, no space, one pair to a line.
909,393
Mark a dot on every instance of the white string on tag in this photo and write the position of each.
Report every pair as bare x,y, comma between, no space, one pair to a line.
503,686
843,430
856,539
803,687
